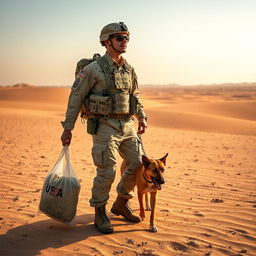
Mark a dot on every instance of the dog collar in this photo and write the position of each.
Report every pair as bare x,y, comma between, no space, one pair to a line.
147,179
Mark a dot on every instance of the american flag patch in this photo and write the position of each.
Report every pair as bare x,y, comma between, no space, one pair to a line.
82,73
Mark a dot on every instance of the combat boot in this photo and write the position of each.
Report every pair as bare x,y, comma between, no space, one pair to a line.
101,220
121,207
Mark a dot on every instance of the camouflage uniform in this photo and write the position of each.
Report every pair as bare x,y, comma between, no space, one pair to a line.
114,134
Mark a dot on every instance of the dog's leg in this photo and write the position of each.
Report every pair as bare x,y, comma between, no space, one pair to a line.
147,202
153,227
142,211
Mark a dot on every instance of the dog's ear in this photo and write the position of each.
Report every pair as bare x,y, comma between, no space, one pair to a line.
146,162
163,159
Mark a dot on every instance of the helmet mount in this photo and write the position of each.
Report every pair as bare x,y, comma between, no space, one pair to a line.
111,29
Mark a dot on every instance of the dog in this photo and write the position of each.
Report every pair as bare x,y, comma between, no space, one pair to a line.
149,179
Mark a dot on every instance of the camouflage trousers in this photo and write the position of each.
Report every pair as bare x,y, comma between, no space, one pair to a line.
113,137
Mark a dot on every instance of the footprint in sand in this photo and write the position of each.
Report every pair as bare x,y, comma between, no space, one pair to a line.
179,247
16,199
217,200
118,252
197,213
192,243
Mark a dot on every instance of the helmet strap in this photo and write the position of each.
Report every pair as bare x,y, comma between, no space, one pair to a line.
112,46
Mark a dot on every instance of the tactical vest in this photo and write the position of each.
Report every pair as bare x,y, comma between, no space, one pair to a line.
117,98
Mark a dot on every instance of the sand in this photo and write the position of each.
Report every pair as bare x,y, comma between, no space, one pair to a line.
206,207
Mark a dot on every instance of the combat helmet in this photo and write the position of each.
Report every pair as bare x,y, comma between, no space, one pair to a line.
112,28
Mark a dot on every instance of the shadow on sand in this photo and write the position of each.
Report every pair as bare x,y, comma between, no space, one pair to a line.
30,239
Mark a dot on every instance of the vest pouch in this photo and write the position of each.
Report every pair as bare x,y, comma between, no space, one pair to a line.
100,105
133,105
104,105
122,79
122,105
92,125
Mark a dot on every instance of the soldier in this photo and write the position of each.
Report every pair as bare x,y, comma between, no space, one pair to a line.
108,88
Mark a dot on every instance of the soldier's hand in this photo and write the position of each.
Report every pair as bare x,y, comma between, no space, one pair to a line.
142,125
66,137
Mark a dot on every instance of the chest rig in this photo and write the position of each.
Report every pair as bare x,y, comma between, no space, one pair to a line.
115,99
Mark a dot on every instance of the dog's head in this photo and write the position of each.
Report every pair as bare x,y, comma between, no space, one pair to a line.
154,169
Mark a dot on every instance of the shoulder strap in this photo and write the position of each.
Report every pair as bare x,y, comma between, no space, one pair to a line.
105,67
103,63
128,67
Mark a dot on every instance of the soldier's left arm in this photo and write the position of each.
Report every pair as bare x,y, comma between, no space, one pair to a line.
141,116
135,92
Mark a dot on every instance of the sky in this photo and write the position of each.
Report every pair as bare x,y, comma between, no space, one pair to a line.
185,42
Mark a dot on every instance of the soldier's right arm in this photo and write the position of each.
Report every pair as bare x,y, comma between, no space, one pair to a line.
80,89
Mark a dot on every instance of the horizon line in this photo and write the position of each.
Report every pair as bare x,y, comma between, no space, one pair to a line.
140,85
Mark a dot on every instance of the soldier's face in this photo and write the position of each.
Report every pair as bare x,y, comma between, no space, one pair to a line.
120,41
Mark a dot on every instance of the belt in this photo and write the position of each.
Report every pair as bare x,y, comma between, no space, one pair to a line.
117,116
120,116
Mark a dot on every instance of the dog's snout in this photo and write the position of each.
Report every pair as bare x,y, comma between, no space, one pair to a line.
160,180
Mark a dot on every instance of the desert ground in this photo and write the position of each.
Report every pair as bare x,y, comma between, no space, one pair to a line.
206,207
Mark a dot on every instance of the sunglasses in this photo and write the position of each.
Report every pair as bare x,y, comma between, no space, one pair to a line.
120,38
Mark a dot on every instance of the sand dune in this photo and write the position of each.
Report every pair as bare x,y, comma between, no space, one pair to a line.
191,120
234,109
207,206
35,94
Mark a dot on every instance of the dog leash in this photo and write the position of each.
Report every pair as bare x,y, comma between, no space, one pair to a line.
144,153
141,143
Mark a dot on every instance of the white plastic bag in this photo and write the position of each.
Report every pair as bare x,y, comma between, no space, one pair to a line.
60,191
